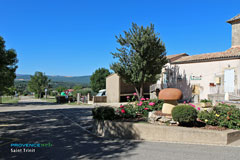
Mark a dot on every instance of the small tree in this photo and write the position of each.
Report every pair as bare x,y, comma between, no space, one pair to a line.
8,61
98,79
61,89
141,57
38,83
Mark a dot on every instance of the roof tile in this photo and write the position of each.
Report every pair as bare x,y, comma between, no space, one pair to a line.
230,53
234,19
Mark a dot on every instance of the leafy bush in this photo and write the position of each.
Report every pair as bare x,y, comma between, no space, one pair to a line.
205,100
139,109
222,115
157,104
209,118
184,114
127,111
103,113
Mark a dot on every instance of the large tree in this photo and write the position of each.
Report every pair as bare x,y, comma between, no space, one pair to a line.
140,58
38,83
8,61
98,79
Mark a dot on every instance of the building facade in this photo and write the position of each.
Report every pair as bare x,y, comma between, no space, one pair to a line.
205,76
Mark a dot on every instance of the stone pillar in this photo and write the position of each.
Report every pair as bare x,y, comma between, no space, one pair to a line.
226,97
78,98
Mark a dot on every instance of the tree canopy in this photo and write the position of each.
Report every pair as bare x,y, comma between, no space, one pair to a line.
38,83
98,79
140,58
8,61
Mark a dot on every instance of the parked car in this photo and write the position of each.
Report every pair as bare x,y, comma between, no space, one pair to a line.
101,92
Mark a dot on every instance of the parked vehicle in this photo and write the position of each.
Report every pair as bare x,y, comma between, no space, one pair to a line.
101,92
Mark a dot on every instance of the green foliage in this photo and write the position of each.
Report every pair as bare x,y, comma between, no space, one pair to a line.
209,118
83,92
139,109
21,87
78,87
103,113
205,100
141,57
184,114
127,111
7,99
53,93
222,115
158,104
10,91
8,61
98,79
38,83
61,89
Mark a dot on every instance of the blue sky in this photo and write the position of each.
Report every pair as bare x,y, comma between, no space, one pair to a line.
74,37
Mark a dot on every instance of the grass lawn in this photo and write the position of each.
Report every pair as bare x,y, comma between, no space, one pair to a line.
8,99
50,99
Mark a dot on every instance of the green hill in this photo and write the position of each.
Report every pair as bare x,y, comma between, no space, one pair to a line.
84,80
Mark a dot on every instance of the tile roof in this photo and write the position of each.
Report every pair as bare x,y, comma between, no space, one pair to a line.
234,19
232,53
174,57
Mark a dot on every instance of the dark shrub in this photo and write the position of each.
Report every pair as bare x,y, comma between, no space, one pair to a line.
103,113
61,99
184,114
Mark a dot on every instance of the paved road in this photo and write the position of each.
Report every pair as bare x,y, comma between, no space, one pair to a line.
65,129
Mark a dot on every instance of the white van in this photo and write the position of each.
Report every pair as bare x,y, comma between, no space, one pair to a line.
101,92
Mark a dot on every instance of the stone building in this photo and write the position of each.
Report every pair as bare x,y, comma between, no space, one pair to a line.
205,76
117,90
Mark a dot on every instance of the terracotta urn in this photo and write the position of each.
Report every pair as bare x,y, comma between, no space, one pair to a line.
170,97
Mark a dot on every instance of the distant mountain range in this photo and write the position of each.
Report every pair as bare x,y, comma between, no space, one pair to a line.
74,79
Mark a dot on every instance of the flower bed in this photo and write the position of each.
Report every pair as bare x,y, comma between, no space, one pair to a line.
211,127
220,117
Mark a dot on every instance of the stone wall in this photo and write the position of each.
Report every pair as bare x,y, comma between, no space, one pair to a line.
151,132
236,34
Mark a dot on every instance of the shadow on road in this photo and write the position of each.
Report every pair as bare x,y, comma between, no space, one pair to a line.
53,126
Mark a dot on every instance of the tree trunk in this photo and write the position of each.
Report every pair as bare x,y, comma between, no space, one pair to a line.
137,93
141,91
0,99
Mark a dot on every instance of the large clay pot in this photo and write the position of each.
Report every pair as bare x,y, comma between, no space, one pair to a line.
170,97
170,94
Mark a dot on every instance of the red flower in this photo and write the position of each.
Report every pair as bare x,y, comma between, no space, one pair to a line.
151,104
140,103
142,99
128,97
146,108
123,111
121,106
